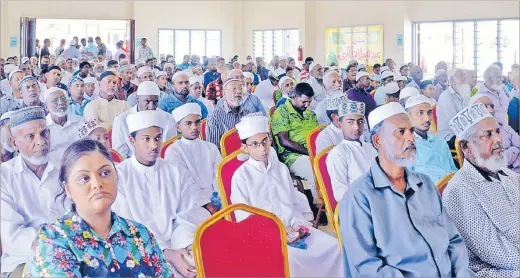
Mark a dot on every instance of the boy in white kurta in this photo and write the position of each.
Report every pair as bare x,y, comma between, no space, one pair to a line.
159,194
351,158
201,158
266,183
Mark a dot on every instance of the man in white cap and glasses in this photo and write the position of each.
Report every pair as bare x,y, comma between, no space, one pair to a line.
266,88
250,102
263,177
62,123
160,194
12,98
29,188
433,154
316,81
286,85
359,93
510,139
7,151
452,101
391,203
351,157
147,98
332,82
387,76
331,135
181,95
482,198
199,157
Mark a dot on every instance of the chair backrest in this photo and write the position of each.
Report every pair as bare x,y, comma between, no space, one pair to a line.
109,132
168,143
254,247
311,141
323,181
203,129
225,170
271,111
116,157
434,114
441,184
230,142
460,154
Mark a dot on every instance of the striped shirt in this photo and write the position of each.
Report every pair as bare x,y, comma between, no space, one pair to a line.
221,120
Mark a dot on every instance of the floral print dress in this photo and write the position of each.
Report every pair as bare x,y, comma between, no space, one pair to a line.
68,247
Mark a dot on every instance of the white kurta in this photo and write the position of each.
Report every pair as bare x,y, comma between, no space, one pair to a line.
27,202
329,136
201,158
321,113
161,197
65,77
63,136
264,91
346,163
121,141
319,91
271,189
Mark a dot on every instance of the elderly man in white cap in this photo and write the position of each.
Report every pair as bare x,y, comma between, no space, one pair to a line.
359,93
391,203
160,194
351,157
7,151
267,87
29,188
493,87
144,73
387,76
12,98
332,82
199,157
482,197
31,94
283,62
106,108
263,176
147,98
62,123
316,81
181,95
441,82
433,154
250,102
286,86
406,93
331,135
452,101
510,139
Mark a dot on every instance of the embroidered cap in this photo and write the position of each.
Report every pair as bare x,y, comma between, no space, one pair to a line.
252,124
87,127
184,110
335,98
350,108
27,114
25,79
468,117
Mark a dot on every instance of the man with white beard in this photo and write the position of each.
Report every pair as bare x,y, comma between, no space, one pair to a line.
332,82
483,196
493,87
390,203
6,148
451,102
316,81
441,82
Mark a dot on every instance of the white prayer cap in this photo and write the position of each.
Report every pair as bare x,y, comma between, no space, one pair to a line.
386,74
184,110
194,79
168,65
178,74
351,62
72,43
384,68
468,117
391,88
361,74
285,78
399,77
439,72
452,72
144,119
6,115
90,80
375,77
384,112
350,108
408,92
334,99
313,65
361,66
188,72
148,88
418,99
159,74
126,67
333,68
140,63
24,60
10,76
248,75
476,97
282,58
10,68
252,124
49,91
142,70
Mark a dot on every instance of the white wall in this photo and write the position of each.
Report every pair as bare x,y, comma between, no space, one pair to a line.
238,19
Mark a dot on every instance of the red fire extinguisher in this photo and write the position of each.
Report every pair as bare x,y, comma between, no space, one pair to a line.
300,53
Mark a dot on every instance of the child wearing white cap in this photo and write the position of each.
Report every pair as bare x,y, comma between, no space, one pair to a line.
201,158
157,193
264,182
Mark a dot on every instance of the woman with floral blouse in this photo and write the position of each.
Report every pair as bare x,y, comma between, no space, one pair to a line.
91,240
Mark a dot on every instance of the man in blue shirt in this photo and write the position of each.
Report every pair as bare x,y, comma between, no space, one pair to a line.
433,154
185,63
212,74
260,68
92,49
181,95
392,220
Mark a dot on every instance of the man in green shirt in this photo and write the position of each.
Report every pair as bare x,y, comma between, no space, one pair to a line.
291,123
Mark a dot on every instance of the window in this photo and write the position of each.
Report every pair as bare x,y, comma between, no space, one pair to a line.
189,42
467,44
268,43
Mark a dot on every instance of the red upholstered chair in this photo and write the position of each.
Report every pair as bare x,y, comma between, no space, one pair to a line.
254,247
203,129
116,157
311,141
225,170
230,142
324,184
441,184
170,141
109,131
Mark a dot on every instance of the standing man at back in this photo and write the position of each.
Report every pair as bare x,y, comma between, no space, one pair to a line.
145,52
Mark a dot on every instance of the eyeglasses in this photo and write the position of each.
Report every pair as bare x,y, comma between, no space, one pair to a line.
490,105
249,84
255,145
60,99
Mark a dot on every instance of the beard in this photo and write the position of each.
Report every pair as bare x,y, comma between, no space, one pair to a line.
36,160
497,87
60,113
464,90
403,162
493,163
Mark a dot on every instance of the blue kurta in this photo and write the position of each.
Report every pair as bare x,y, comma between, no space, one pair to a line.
433,157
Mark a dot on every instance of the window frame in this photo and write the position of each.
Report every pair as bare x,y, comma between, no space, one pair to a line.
285,44
189,41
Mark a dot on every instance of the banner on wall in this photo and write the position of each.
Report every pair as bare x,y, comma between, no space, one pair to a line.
363,43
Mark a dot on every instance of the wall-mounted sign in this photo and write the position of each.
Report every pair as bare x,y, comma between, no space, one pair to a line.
13,41
363,43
